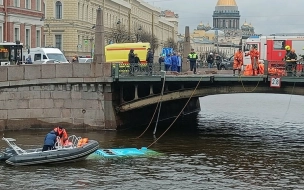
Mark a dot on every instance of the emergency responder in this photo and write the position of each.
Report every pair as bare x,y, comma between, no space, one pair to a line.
238,61
292,60
254,56
192,58
287,48
62,134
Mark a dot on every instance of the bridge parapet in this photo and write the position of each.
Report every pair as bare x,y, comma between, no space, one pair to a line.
16,75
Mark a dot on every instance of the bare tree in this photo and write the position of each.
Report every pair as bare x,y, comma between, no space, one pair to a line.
119,34
144,36
170,43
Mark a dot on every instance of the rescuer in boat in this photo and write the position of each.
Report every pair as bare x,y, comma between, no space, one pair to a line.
62,134
50,140
254,55
238,61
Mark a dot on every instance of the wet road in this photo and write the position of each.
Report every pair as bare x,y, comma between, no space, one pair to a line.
241,141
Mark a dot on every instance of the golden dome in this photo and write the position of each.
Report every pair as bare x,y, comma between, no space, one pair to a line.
226,3
246,24
201,23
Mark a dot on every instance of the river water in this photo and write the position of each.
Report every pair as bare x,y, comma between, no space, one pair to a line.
239,141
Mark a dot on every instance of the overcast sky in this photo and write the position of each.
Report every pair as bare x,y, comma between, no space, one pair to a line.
267,16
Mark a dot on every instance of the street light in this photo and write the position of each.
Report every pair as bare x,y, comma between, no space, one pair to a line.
137,35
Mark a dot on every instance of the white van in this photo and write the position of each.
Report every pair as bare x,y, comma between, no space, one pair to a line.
46,55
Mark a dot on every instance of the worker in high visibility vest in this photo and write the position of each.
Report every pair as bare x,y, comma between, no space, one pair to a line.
192,57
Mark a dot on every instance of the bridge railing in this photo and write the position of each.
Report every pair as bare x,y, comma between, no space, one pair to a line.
284,68
136,69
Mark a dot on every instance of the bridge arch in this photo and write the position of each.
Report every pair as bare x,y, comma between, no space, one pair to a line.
205,90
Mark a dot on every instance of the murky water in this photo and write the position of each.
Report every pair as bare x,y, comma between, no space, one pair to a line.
241,141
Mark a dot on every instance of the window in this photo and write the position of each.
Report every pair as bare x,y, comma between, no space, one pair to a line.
38,5
27,4
78,8
17,34
1,32
279,44
16,3
37,57
58,41
87,13
44,40
38,38
44,9
1,2
58,10
27,38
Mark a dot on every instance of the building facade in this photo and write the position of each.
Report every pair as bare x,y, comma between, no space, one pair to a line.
21,20
69,24
226,15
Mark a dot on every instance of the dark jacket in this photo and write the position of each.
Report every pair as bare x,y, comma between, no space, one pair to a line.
136,60
150,57
131,58
161,60
210,59
50,138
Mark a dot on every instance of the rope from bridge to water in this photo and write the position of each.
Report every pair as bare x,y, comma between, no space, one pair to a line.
158,104
178,114
240,78
289,103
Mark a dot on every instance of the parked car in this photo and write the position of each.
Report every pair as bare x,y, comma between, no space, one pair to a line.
227,64
85,60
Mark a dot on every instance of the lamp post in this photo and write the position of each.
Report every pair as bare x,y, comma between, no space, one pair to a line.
137,35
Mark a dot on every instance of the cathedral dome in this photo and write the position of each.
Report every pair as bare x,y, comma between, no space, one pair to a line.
226,3
201,26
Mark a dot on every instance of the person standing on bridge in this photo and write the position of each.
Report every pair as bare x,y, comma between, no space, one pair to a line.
286,57
238,61
254,55
192,57
131,60
149,59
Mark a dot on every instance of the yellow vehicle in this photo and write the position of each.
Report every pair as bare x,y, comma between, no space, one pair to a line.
118,53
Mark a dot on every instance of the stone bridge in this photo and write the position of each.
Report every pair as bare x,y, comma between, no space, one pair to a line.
92,96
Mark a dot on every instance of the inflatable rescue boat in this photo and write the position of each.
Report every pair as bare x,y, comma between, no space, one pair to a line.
77,149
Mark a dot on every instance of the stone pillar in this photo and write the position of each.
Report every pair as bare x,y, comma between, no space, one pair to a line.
109,112
99,54
151,89
187,48
136,92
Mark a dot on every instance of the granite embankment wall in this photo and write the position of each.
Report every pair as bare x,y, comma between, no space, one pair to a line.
41,96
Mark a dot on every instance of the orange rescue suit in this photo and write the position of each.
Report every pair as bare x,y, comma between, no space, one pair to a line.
62,134
254,55
238,60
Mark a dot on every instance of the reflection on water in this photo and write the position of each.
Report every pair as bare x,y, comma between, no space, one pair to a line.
240,141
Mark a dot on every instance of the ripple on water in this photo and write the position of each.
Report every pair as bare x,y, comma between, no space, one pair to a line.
235,145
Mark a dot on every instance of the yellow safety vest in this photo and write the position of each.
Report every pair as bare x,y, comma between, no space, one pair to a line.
192,56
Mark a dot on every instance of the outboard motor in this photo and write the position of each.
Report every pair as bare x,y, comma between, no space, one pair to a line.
9,152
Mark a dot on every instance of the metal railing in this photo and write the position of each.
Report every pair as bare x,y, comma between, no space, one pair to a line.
73,142
284,68
136,69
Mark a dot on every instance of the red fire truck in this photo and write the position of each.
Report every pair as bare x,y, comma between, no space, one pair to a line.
272,48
